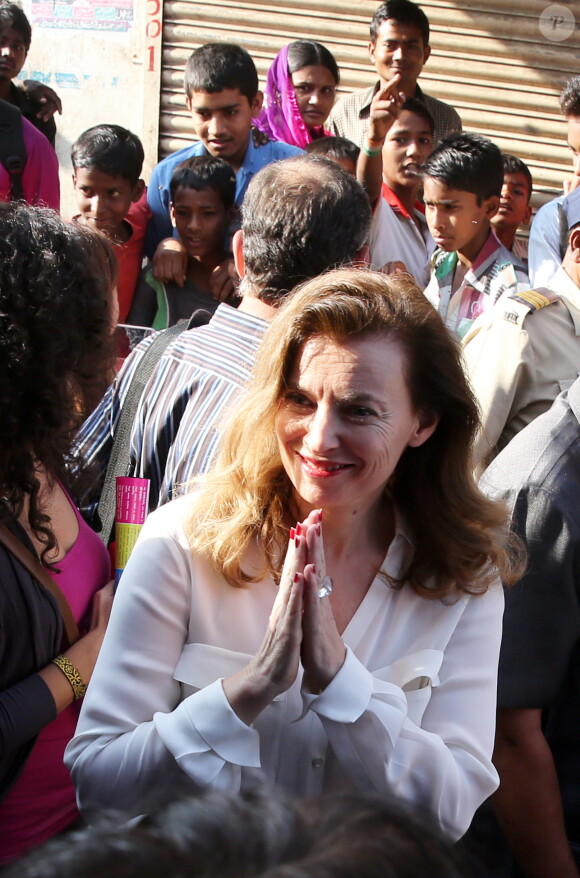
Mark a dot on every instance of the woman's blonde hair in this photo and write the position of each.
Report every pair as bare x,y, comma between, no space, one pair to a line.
460,535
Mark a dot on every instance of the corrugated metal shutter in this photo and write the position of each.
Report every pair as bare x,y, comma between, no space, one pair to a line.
489,60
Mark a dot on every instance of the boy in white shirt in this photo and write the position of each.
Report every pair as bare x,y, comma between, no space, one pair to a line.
399,238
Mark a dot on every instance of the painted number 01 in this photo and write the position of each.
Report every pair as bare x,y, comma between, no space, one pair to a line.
153,30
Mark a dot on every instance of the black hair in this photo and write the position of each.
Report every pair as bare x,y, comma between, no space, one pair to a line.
413,105
110,849
209,835
56,348
570,97
306,53
403,11
217,66
334,148
301,217
233,835
468,163
110,149
513,165
254,835
206,172
372,836
13,16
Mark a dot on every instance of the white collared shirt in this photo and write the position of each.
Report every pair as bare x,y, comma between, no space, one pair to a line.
396,237
412,709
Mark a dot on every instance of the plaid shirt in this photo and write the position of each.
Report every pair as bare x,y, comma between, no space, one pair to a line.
496,272
175,433
350,116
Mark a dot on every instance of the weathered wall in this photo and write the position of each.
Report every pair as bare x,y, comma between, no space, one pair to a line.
103,59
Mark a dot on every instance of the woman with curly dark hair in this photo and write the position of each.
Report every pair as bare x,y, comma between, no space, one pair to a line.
56,316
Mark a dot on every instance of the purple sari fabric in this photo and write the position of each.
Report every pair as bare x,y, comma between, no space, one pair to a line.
280,117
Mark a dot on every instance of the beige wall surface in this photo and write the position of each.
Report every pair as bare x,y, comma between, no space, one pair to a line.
103,59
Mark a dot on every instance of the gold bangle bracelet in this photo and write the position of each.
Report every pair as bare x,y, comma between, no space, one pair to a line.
71,673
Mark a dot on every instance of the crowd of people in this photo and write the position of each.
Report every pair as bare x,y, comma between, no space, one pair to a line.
355,398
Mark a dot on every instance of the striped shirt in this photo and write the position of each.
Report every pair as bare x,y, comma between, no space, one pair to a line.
496,272
350,116
175,433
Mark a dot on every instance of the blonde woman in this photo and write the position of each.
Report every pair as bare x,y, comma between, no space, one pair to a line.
324,612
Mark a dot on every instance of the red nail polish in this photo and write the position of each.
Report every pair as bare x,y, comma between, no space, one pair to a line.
297,541
296,577
320,514
299,528
292,533
317,530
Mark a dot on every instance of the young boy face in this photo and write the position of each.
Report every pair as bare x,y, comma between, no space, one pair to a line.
222,122
104,200
13,53
514,208
201,220
455,219
407,147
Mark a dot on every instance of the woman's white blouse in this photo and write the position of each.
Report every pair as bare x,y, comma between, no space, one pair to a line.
411,710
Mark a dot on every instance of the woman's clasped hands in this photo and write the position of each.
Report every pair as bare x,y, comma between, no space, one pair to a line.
301,629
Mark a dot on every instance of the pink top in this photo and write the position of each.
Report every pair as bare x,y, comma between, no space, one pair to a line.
42,801
40,183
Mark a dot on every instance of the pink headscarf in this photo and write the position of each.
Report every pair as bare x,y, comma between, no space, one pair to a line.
280,117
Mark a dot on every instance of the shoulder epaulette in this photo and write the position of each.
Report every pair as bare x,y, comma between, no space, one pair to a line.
519,305
535,299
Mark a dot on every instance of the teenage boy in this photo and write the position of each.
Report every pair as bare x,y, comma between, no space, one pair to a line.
221,87
548,234
515,209
36,101
399,44
390,167
202,192
462,183
107,162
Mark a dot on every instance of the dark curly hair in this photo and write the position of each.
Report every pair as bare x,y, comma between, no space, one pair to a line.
570,97
56,348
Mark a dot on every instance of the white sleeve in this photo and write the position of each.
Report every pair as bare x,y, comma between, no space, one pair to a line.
135,732
444,763
544,248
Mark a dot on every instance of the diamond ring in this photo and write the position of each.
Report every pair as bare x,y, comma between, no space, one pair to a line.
325,587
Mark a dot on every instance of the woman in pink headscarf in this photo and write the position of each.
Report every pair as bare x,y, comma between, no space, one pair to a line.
300,91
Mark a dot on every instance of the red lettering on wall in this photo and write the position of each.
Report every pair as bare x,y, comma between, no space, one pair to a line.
153,33
153,28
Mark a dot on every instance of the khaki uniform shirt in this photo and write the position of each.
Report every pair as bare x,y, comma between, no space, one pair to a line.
519,356
350,116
